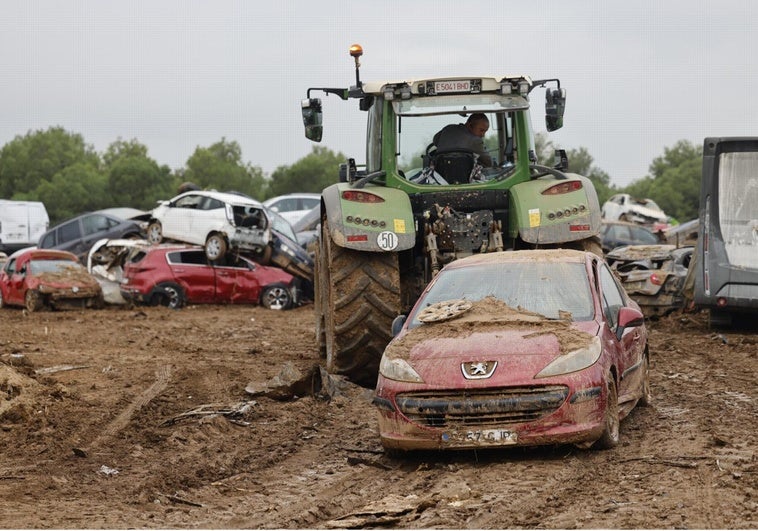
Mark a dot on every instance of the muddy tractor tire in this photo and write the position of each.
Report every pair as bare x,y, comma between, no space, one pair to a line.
318,303
360,296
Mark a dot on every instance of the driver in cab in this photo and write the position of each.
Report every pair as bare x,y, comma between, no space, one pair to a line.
466,137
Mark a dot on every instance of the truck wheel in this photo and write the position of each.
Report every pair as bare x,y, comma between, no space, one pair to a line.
360,298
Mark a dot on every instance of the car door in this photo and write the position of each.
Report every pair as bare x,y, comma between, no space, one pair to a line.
13,292
192,272
94,228
210,216
69,237
236,281
628,351
176,219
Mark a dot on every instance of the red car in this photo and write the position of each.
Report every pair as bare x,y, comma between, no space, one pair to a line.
514,348
44,278
173,275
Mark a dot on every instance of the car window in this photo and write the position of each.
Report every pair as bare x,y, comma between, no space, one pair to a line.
52,265
187,257
48,240
188,201
311,202
643,236
10,267
286,205
69,231
97,223
612,299
210,203
547,288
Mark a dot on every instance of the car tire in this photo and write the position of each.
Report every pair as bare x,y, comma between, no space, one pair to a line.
610,436
276,297
169,294
32,301
215,246
646,399
155,232
2,302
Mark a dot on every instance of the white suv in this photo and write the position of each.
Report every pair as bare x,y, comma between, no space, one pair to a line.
218,221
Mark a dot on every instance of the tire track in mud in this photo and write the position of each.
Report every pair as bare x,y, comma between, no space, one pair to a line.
162,376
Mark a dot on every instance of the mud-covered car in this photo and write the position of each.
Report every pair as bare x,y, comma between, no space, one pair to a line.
514,348
653,275
218,221
624,207
47,279
174,275
619,233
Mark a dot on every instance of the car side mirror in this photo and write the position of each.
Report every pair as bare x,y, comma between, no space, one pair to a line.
561,160
555,105
312,116
397,324
628,318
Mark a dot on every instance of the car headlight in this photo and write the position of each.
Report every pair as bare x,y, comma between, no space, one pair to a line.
399,370
576,360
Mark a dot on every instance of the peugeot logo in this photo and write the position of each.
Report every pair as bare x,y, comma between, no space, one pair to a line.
477,370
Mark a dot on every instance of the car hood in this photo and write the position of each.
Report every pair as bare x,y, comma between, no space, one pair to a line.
523,341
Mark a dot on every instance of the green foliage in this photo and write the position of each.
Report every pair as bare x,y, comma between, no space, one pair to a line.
138,182
220,167
312,173
674,182
73,190
28,161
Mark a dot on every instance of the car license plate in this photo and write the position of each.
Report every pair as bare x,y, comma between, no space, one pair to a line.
482,437
458,85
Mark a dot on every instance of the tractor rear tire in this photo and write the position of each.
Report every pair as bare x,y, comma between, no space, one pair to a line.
360,296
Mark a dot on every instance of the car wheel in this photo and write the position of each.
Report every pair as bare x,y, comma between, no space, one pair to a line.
32,301
647,396
215,246
610,436
155,232
276,297
2,302
169,295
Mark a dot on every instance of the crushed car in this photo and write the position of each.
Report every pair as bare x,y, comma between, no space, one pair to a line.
624,207
653,275
105,262
519,348
39,279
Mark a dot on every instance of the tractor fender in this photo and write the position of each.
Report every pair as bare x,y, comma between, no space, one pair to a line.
542,219
384,224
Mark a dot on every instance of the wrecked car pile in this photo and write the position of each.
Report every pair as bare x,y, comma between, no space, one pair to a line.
653,275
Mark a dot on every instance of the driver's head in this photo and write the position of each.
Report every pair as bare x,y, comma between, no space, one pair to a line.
478,124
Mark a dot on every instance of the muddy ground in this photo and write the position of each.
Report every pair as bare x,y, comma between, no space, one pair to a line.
140,418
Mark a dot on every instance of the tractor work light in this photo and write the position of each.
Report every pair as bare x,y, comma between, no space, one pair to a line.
523,87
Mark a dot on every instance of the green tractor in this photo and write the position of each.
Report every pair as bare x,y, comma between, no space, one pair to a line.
388,226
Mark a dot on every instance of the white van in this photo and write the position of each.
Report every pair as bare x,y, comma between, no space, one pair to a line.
21,224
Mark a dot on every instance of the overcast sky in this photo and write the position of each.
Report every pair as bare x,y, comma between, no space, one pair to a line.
178,74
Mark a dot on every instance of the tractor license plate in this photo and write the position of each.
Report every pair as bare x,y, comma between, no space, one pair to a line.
484,437
458,85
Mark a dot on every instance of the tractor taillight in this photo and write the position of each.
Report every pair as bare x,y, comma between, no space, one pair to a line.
361,197
563,188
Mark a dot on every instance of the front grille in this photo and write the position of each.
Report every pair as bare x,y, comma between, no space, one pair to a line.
478,407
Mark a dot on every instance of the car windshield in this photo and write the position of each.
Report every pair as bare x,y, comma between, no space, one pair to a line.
547,288
281,225
37,267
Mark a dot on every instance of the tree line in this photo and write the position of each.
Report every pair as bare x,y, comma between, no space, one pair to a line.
69,176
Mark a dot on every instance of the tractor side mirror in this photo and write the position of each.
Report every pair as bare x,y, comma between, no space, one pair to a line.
311,110
555,105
